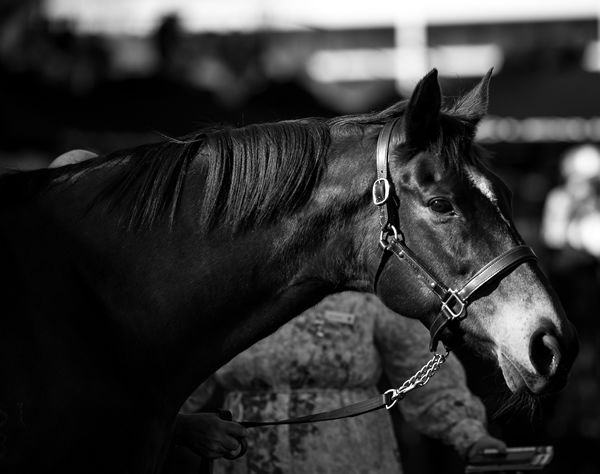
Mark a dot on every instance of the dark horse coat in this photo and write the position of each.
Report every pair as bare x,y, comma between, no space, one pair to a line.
128,279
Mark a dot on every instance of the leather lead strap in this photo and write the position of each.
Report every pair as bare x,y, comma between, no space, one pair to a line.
360,408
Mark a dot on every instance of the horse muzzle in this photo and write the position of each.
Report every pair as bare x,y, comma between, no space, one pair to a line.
551,355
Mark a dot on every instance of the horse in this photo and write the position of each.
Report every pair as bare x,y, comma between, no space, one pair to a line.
128,279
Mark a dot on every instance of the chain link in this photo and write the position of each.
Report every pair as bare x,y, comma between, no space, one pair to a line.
420,378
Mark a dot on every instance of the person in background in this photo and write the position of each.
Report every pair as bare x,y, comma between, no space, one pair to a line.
571,218
331,356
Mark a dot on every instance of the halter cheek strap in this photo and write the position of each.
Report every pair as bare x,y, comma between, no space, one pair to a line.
384,195
453,302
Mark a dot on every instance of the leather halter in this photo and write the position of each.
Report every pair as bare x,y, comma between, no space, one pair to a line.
454,302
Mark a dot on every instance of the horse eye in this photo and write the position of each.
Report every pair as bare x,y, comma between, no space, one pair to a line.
441,206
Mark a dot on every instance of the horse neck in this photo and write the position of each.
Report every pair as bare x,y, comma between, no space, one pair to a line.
179,304
248,288
189,304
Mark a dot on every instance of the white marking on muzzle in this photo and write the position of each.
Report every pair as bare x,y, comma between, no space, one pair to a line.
512,326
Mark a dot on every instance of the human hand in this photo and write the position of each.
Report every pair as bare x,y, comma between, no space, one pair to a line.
485,442
210,436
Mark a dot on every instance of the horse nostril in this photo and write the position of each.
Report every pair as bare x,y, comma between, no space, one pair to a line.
544,353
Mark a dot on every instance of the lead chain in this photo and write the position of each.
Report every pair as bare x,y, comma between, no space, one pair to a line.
420,378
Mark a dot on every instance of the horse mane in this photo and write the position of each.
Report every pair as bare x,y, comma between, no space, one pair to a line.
252,175
260,172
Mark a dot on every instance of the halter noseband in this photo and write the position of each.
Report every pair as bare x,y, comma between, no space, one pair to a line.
453,302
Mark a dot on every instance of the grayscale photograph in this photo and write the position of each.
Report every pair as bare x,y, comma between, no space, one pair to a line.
299,236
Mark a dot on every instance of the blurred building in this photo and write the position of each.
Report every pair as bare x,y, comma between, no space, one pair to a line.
346,56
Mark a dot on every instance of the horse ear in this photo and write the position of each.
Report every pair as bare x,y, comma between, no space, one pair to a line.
423,110
474,104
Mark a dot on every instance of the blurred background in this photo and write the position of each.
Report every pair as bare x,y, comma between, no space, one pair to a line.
106,74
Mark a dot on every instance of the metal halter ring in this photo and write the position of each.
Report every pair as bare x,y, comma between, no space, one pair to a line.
385,234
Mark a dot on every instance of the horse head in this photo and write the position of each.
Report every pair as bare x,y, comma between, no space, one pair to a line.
449,220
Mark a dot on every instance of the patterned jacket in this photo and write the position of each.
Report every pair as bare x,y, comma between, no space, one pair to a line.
330,356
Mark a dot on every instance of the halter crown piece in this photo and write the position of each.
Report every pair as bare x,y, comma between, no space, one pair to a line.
454,302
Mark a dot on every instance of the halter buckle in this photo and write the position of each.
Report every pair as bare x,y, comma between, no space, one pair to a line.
453,306
378,199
